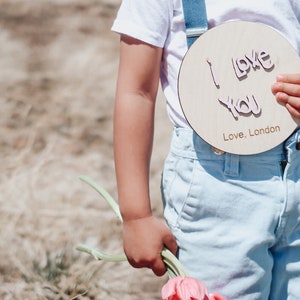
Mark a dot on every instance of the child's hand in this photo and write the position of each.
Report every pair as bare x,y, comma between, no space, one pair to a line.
144,240
287,91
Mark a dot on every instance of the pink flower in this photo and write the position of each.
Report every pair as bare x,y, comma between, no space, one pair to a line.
187,288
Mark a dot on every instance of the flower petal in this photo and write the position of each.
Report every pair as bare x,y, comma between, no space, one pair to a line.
191,288
187,288
169,290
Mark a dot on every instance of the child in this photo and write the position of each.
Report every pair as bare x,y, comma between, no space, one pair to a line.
234,220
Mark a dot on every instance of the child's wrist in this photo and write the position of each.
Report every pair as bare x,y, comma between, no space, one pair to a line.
135,216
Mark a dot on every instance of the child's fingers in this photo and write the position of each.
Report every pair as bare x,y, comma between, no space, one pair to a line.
294,111
292,103
158,267
290,89
289,78
282,97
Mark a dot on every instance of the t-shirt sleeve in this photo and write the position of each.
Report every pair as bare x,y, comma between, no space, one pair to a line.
145,20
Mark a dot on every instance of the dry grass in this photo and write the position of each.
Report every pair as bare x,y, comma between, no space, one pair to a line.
58,66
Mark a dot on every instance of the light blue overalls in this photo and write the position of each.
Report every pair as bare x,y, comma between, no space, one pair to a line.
236,218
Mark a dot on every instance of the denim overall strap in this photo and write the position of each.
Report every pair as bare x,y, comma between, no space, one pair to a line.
195,19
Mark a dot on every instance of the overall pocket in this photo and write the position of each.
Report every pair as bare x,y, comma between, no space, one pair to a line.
177,180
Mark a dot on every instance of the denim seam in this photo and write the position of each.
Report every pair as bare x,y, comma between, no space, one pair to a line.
187,196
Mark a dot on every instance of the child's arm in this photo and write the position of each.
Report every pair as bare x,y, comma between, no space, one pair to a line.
287,90
144,235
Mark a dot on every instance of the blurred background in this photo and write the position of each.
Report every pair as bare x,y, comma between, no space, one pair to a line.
58,68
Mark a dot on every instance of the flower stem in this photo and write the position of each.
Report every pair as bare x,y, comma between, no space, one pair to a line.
100,255
104,194
173,265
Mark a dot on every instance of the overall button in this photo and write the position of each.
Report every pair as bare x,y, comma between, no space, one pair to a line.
217,151
298,145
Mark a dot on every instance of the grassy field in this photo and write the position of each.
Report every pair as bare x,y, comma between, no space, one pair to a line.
58,67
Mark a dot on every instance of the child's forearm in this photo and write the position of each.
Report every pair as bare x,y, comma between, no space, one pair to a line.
133,136
144,236
133,124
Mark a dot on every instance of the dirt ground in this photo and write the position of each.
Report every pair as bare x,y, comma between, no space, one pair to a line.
58,67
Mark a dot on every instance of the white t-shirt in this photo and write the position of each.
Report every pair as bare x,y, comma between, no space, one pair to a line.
161,23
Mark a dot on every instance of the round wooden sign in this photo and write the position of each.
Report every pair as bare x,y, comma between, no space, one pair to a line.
225,87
